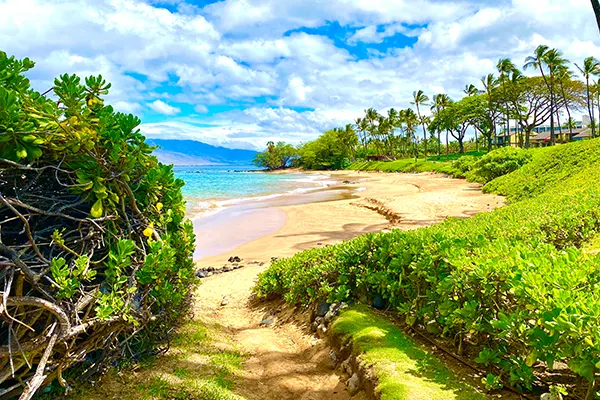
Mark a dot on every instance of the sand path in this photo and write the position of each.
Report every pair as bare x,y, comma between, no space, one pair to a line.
285,361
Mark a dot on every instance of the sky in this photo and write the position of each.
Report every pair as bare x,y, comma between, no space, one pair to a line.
239,73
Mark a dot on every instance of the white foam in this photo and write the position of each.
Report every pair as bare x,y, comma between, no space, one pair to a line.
204,208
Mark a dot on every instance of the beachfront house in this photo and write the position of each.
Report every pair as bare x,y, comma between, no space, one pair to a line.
540,136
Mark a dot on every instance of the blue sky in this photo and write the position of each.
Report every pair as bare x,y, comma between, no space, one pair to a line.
239,73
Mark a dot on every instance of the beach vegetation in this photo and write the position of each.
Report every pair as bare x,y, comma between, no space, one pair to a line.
95,250
504,109
277,156
515,288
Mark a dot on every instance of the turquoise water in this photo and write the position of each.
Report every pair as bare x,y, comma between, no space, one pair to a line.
210,187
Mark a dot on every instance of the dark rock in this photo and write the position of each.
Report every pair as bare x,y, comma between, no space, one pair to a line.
433,327
378,302
346,182
346,366
268,321
261,264
237,266
322,330
201,274
273,259
228,268
210,269
333,357
234,259
224,302
353,384
322,309
314,326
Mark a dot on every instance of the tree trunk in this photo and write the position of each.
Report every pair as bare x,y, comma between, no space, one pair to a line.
446,144
568,113
439,144
558,121
596,7
461,147
424,131
590,107
552,135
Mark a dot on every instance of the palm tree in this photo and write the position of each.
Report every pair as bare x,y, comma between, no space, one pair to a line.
471,90
564,74
505,67
537,61
412,120
372,118
490,83
394,120
591,66
421,99
361,127
553,60
596,7
440,102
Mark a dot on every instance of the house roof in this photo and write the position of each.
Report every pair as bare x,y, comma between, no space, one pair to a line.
545,136
583,133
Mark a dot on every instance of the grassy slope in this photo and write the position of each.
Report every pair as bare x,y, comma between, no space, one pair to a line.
403,165
405,370
201,365
551,168
441,164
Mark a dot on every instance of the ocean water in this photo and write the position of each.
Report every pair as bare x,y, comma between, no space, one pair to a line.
210,188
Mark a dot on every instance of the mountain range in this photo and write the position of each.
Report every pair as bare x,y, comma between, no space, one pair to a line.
192,152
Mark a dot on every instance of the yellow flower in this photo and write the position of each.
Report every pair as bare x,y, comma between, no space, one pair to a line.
159,206
149,230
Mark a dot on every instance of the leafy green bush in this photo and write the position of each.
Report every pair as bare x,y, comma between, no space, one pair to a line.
495,164
512,283
95,252
464,165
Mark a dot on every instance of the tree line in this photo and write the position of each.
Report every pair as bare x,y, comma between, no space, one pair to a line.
501,104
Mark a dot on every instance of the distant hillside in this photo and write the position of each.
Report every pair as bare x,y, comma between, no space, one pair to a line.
191,152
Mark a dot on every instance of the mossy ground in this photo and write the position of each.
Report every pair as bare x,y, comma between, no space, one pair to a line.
405,370
201,364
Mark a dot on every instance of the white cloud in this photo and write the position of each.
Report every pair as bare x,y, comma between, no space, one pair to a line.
163,108
252,55
201,109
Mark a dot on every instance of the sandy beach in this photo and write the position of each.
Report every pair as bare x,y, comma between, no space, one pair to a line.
370,202
286,362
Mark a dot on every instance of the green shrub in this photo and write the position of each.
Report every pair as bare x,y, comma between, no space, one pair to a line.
464,165
495,164
94,247
511,283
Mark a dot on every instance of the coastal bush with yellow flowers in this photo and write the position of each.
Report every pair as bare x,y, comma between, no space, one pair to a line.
95,251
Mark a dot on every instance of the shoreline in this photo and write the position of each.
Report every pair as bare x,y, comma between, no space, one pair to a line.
374,202
235,222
